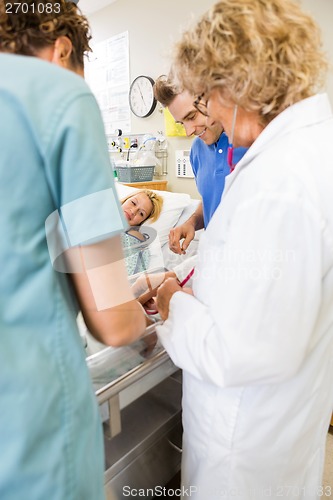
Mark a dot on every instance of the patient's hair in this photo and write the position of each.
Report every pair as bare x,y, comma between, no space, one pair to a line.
165,90
27,33
157,202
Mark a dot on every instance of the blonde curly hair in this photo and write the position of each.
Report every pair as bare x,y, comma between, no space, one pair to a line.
263,55
156,200
37,26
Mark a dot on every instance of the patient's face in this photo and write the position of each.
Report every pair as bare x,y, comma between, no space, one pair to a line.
195,123
137,209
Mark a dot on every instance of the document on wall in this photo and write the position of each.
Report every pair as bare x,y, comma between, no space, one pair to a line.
107,74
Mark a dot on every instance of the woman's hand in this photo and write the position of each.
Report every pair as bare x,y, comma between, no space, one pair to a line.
164,294
145,287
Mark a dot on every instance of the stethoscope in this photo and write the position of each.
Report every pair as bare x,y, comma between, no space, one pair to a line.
230,152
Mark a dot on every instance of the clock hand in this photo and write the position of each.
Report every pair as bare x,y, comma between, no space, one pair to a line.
142,96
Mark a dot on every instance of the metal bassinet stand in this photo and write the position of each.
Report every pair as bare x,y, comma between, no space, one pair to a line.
139,390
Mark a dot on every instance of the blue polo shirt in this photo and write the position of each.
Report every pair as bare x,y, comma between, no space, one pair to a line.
210,167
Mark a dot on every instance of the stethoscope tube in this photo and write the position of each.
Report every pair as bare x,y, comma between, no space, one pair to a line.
230,152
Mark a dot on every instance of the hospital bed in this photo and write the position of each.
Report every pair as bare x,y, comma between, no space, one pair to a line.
177,208
138,387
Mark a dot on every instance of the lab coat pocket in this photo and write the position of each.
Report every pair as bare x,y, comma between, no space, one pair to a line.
198,413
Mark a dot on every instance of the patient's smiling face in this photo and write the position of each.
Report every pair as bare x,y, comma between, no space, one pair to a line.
137,209
194,122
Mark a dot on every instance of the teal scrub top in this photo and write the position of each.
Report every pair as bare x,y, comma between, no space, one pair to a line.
53,157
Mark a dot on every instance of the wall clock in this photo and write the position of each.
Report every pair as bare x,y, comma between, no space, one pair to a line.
141,96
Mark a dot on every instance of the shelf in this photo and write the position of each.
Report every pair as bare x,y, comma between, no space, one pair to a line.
154,184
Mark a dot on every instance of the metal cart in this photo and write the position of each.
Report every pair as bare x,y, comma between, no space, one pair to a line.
139,392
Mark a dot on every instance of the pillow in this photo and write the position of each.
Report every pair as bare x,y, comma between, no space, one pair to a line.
188,211
173,206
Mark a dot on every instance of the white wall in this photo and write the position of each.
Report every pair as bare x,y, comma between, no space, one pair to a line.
152,31
153,26
322,12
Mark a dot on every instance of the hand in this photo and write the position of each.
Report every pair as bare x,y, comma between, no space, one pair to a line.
147,284
149,343
145,287
164,294
150,306
187,232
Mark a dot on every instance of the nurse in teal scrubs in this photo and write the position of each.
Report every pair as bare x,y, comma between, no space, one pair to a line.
60,250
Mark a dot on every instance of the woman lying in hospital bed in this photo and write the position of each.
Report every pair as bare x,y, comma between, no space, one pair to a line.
153,214
138,208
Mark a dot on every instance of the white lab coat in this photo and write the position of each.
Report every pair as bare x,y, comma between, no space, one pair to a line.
256,341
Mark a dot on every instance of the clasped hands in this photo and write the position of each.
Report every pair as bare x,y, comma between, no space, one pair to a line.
154,291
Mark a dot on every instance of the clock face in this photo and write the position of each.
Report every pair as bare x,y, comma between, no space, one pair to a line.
141,96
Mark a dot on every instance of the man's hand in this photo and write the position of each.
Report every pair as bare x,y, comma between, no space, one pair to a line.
185,232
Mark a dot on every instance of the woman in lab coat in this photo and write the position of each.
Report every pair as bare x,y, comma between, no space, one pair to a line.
255,335
59,217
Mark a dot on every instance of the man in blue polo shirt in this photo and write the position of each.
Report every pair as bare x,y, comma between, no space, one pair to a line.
209,162
208,159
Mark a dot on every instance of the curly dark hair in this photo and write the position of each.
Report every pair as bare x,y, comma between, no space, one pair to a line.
44,21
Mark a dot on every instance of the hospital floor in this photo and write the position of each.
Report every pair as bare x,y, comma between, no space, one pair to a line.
328,471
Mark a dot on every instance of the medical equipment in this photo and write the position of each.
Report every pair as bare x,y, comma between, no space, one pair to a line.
230,153
188,277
